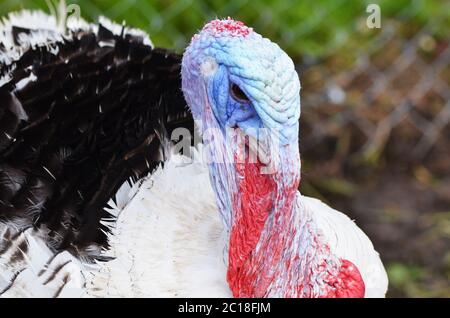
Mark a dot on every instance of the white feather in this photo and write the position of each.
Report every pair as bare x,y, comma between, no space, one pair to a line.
168,241
348,241
39,273
47,32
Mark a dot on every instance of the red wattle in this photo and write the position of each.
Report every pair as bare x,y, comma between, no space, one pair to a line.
258,264
347,284
256,193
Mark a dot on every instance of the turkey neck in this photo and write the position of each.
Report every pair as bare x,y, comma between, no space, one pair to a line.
264,209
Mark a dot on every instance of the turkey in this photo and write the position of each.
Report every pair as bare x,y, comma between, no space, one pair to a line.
97,200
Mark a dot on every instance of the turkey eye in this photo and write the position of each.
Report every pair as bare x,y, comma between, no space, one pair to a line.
238,94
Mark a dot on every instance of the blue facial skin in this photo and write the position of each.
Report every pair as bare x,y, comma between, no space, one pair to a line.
228,110
262,71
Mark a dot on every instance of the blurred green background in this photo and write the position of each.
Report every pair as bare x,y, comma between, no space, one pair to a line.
375,132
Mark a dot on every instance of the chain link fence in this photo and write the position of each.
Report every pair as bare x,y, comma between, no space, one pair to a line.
375,132
394,82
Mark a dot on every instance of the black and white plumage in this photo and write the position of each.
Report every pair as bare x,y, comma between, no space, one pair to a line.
81,112
90,107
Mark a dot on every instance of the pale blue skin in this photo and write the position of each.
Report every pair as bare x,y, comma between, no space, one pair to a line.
229,111
267,76
262,71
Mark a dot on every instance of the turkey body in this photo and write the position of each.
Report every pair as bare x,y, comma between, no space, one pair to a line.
160,246
164,246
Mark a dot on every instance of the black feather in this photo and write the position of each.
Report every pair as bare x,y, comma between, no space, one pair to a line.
96,116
